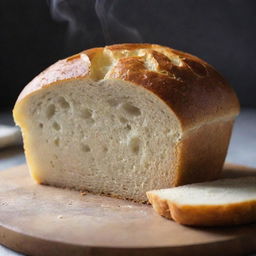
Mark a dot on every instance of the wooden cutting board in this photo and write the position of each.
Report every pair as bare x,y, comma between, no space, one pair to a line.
42,220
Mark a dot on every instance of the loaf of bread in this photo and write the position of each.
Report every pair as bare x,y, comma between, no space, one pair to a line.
215,203
125,119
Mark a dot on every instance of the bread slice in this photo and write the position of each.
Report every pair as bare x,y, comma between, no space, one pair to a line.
216,203
126,119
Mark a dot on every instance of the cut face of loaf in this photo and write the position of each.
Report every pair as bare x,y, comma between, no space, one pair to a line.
93,136
221,202
125,119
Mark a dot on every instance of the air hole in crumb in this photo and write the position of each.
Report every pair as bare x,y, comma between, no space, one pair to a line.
123,120
56,126
162,156
147,165
63,103
39,104
135,145
112,117
131,110
50,111
85,148
128,127
147,130
105,149
86,113
41,125
113,102
57,142
52,164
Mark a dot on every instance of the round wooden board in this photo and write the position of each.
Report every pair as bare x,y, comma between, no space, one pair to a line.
42,220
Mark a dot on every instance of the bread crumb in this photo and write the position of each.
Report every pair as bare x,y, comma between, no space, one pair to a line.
60,217
127,206
83,193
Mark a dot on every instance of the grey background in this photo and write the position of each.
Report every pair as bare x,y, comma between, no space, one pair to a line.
32,37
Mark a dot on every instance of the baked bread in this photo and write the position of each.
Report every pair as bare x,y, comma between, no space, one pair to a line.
217,203
125,119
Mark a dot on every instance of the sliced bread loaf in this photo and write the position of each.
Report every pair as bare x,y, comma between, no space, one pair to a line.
126,119
216,203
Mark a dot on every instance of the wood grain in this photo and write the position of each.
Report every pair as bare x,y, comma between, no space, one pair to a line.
41,220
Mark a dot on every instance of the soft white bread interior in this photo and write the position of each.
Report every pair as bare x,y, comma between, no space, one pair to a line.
92,136
125,119
216,203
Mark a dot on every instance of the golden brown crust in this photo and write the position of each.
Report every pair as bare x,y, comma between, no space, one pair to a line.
201,153
205,215
74,67
195,92
130,47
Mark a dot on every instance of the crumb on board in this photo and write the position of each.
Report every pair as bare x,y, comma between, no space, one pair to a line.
60,217
83,193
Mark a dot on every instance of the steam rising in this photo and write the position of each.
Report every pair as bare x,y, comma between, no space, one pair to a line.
113,30
81,17
61,10
74,15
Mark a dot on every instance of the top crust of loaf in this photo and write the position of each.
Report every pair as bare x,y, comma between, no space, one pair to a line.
193,89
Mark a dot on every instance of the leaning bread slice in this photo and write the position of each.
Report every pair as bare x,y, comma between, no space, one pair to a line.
216,203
